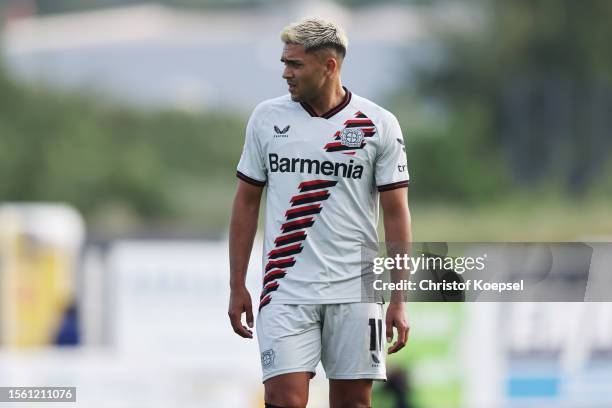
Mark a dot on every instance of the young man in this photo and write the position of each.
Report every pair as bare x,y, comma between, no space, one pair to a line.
326,156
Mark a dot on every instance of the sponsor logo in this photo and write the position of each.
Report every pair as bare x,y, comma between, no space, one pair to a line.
281,133
312,166
401,141
267,358
351,137
402,167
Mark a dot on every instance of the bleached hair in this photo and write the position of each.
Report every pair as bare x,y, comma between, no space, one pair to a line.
315,34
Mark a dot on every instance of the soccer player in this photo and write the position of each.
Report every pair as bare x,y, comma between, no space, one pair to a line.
326,157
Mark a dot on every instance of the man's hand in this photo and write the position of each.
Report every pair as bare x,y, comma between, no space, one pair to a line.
240,302
396,317
243,226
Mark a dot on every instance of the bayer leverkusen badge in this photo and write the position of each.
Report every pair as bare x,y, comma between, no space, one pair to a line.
351,137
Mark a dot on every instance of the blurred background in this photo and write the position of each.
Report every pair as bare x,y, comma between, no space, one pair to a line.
121,124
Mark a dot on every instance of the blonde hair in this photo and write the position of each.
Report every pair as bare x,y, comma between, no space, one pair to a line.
315,34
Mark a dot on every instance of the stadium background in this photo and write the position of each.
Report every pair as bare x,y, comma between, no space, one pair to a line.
121,123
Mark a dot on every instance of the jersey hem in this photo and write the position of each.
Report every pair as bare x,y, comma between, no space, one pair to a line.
393,186
301,369
373,376
250,180
317,301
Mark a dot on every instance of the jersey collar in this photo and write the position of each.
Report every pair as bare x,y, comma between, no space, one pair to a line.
332,111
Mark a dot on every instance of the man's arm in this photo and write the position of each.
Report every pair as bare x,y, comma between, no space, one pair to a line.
243,226
396,217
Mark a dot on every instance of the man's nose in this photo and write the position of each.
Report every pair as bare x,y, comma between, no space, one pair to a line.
287,73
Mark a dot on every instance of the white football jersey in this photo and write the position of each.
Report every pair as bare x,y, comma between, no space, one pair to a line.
323,176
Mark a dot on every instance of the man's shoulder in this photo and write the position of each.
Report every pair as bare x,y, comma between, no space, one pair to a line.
371,109
279,104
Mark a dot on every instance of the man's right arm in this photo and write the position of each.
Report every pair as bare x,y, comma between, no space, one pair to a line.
243,226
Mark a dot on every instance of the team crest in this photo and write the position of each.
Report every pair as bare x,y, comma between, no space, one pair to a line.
351,137
267,358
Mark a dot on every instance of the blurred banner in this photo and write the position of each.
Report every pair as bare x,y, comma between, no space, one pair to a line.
538,354
39,246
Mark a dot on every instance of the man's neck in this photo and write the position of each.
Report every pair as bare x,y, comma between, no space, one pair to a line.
328,100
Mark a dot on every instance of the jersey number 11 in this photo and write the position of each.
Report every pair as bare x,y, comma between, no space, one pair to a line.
375,334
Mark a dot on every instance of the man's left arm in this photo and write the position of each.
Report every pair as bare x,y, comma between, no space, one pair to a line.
396,215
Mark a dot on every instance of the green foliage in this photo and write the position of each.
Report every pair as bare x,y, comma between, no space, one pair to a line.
63,147
522,96
361,3
447,167
460,125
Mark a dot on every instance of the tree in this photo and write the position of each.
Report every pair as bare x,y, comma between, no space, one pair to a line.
532,82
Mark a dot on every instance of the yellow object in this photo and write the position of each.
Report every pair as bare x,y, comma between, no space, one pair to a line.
37,265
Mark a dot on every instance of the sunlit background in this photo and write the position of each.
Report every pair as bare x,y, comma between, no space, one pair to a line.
121,125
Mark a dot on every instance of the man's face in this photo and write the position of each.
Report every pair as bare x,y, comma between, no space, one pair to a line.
304,72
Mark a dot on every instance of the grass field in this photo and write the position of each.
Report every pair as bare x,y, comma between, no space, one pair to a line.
517,220
537,217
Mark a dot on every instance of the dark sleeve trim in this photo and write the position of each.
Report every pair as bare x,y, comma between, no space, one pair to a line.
393,186
249,180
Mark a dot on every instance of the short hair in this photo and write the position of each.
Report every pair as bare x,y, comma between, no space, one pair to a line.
315,34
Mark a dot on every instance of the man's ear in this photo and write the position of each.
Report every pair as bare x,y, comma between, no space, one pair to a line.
331,64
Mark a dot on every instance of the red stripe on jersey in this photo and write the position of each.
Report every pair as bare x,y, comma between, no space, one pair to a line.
315,183
362,122
275,272
309,195
332,144
304,208
284,249
271,285
290,236
343,147
351,153
264,301
277,262
297,222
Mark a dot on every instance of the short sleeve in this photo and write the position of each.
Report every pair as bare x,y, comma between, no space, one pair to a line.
251,167
391,169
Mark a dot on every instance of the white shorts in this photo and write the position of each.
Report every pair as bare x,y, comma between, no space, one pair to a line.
348,338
